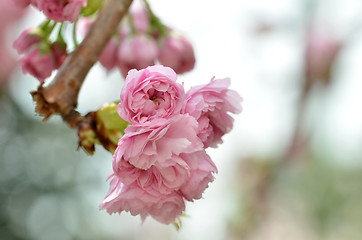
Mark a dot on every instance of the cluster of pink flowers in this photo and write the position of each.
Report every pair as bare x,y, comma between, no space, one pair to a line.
57,10
139,44
161,160
39,57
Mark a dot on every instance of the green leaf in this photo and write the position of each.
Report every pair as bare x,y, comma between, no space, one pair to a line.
92,7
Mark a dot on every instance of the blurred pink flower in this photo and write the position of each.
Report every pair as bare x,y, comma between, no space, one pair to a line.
150,93
321,51
9,15
37,64
137,201
201,174
108,58
59,51
7,65
149,154
23,3
27,39
140,17
61,10
136,52
177,52
210,105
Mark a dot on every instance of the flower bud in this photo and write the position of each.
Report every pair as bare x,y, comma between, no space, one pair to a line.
59,50
321,52
140,17
38,64
177,52
59,11
136,52
108,122
108,58
27,39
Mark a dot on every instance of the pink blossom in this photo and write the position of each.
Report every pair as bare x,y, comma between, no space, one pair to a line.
61,10
168,208
140,17
39,57
9,15
210,105
136,52
137,201
8,63
27,39
177,52
149,154
59,51
37,64
201,174
108,58
150,93
321,51
23,3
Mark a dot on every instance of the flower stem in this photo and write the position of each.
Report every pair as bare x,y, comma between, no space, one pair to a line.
75,41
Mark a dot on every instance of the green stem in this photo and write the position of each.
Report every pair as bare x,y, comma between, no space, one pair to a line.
155,21
131,24
60,31
45,24
51,28
75,41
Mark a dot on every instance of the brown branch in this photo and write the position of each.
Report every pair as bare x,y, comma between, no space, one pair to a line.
61,95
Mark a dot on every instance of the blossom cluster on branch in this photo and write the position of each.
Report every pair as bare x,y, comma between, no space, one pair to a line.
161,160
160,137
67,10
39,56
141,39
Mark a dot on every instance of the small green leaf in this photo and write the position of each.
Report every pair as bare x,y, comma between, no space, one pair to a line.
92,7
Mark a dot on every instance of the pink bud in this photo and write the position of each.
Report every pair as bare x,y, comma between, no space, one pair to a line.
321,51
59,50
124,32
177,52
108,58
26,39
37,64
140,17
65,10
136,53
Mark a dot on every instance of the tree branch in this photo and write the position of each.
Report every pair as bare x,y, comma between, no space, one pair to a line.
61,95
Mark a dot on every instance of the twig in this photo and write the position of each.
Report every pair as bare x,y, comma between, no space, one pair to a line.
61,95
